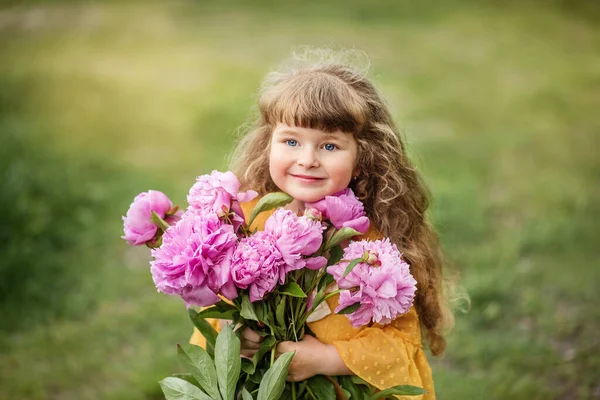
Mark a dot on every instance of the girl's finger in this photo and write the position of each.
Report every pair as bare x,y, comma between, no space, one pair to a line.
250,335
251,341
245,344
245,353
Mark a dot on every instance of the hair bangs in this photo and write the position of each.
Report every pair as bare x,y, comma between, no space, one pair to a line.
314,100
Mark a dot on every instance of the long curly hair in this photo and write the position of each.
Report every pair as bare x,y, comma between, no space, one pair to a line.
329,95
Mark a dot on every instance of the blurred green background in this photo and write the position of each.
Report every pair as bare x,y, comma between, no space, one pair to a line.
499,103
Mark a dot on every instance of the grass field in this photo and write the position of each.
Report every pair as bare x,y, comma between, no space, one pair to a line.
100,101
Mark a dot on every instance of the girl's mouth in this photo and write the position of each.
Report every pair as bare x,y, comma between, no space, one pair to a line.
307,178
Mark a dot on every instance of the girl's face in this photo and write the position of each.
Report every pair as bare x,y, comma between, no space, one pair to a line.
309,164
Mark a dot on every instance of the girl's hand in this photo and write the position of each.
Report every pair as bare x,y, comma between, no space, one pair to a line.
250,342
312,358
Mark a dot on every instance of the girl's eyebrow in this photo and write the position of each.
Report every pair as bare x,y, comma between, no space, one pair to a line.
287,132
342,137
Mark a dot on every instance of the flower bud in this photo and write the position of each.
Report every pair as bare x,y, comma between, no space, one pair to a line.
371,258
138,225
313,214
223,211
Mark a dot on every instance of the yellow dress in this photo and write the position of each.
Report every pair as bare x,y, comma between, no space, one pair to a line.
384,356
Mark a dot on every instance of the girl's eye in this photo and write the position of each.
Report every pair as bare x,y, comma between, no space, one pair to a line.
330,147
291,142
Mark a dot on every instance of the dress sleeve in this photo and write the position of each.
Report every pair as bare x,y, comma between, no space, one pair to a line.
390,355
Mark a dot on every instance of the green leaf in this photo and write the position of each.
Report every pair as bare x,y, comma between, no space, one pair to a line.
260,310
273,383
215,313
359,381
221,310
353,390
343,234
199,363
178,389
269,202
247,310
292,289
351,266
266,345
270,322
186,376
335,255
257,376
318,299
280,312
206,329
301,389
227,362
264,314
322,387
326,280
350,309
246,394
248,366
400,390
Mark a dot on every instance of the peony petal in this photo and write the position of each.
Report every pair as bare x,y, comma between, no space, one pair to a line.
336,211
229,182
360,224
144,237
159,202
387,289
315,262
201,296
229,291
246,196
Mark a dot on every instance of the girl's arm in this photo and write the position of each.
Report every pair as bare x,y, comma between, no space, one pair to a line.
313,358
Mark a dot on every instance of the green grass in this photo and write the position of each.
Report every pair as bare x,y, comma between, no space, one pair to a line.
498,103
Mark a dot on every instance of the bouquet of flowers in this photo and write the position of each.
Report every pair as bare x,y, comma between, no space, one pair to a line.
270,280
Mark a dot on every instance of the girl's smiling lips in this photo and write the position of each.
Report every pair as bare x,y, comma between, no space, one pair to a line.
307,178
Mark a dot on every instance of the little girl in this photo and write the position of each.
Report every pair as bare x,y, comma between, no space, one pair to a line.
324,127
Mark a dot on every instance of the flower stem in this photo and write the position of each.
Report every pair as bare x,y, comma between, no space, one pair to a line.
331,294
293,391
273,354
314,306
311,392
274,348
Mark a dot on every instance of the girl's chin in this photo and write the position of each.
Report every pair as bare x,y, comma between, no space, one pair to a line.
307,196
307,199
298,204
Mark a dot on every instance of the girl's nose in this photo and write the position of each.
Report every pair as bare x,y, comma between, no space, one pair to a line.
308,159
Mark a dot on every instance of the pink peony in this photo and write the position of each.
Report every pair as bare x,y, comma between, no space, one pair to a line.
296,238
382,283
174,218
220,193
343,209
257,263
194,259
138,227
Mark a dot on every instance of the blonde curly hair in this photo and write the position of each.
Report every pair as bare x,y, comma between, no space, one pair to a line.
319,90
